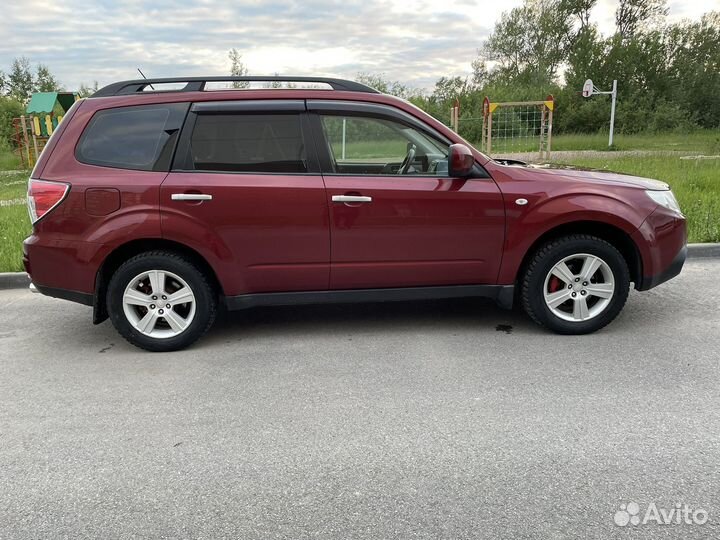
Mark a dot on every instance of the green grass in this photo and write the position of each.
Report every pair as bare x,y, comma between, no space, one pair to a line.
695,182
14,221
701,141
696,142
8,159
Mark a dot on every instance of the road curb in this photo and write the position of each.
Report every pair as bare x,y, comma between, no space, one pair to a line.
20,280
697,251
14,280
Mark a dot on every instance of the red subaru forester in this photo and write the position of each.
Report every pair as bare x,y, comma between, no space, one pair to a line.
159,201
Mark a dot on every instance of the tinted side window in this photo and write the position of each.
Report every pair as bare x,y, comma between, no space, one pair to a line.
141,137
245,142
372,145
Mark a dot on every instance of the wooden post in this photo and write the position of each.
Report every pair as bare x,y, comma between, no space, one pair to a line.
489,133
25,138
550,104
35,134
37,153
542,132
549,135
482,135
456,106
485,111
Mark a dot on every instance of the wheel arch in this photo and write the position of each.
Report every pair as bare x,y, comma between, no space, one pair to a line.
134,247
616,236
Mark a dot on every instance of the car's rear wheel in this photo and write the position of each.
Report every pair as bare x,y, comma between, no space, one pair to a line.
575,285
160,301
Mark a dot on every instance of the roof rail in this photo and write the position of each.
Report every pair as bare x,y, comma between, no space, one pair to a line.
197,84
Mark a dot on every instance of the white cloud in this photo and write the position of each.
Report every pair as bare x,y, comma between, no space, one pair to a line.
415,41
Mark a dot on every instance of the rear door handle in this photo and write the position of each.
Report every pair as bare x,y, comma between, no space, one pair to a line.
350,198
191,197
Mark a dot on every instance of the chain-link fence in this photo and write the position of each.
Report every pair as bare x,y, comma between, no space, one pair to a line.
509,128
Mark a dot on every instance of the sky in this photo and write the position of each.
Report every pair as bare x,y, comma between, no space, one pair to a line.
413,41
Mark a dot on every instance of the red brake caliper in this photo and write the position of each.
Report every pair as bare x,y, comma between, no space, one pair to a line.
555,284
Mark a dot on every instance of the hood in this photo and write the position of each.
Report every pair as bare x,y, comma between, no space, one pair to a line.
594,176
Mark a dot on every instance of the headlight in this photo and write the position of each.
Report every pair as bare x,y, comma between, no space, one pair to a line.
665,198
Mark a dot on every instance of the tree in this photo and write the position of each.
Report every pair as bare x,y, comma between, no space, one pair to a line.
237,68
87,91
20,80
449,88
46,81
530,42
585,57
9,109
580,9
274,84
633,15
381,84
693,64
480,72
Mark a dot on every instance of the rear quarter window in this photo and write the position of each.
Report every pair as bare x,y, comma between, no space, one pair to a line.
141,137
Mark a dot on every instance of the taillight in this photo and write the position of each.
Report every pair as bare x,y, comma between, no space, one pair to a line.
43,196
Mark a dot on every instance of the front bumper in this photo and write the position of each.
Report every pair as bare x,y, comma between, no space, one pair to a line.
648,282
662,241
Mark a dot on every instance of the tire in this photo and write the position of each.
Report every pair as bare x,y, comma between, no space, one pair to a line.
546,283
139,288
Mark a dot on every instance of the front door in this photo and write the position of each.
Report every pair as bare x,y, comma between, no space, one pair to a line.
396,218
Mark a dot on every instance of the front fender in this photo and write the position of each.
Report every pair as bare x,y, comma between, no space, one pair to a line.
525,225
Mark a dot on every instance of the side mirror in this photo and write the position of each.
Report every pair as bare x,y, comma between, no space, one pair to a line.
461,160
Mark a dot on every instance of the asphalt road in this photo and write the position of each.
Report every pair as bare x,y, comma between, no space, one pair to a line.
425,420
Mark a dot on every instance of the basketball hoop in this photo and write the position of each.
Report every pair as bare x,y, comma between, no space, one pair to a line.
589,89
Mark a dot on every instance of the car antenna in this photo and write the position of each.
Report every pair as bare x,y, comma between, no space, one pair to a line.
144,77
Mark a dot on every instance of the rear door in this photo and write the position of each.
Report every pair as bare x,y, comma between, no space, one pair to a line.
245,188
397,218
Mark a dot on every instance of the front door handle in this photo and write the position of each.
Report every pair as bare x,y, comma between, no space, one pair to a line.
191,197
350,198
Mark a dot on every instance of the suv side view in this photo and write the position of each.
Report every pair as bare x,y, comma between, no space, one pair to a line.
157,202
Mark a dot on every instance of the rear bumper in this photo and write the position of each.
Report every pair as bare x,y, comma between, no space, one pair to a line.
670,272
55,264
65,294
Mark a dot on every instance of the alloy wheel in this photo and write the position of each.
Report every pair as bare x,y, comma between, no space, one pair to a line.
579,287
159,304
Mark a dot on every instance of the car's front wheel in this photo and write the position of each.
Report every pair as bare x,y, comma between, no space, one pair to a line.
575,285
160,301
